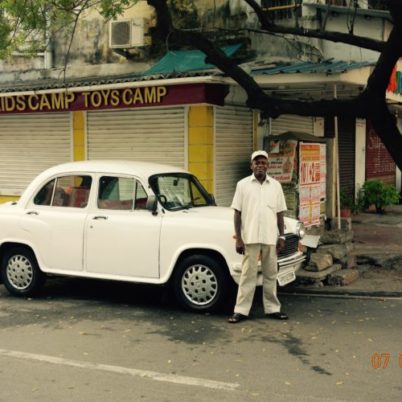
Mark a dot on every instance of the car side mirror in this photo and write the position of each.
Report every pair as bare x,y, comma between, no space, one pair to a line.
152,204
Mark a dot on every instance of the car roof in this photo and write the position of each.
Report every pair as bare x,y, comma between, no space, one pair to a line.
125,167
138,168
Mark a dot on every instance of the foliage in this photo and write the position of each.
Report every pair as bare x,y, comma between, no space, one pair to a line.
348,201
184,13
379,194
25,24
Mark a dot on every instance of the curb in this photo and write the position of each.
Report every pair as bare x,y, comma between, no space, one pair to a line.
340,292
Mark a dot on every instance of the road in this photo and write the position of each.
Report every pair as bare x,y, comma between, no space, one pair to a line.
101,341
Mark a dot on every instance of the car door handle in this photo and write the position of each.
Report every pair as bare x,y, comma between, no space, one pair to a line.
32,213
99,217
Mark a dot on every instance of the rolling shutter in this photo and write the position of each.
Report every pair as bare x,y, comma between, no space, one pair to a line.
155,135
299,124
233,147
347,151
29,144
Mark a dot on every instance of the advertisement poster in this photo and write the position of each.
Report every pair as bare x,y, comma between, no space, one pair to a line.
310,163
310,181
282,160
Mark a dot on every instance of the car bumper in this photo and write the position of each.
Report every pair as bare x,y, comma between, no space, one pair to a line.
287,268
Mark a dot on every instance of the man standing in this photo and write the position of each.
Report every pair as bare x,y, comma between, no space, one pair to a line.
258,206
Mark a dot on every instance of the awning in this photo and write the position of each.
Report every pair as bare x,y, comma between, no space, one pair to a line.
181,61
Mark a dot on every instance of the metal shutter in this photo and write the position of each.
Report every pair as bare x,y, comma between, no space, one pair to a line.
233,147
292,123
347,150
29,144
156,135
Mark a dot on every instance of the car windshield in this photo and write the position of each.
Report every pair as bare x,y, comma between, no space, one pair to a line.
180,191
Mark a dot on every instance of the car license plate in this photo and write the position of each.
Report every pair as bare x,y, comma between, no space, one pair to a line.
286,277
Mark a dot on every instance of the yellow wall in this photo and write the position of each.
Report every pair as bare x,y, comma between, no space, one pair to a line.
5,198
201,144
79,135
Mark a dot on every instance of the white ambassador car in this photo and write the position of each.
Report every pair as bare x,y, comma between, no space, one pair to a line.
128,221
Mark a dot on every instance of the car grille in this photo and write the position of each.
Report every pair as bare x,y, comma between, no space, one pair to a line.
291,246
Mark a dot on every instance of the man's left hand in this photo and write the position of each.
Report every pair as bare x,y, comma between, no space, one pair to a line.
280,245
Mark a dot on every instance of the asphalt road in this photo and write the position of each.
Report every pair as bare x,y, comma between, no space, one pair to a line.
102,341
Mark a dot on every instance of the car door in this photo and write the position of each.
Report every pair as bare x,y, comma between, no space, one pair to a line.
122,237
54,222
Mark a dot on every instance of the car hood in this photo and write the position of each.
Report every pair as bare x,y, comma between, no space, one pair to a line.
226,214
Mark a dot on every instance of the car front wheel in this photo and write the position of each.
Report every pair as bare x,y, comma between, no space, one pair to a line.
20,272
200,284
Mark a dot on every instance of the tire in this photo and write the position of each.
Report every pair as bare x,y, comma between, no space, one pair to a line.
20,272
200,284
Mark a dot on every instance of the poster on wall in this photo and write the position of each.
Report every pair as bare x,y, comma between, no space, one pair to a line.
310,182
282,155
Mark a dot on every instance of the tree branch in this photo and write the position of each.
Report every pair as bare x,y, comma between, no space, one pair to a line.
370,104
347,38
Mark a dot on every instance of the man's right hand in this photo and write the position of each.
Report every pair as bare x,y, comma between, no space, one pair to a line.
239,246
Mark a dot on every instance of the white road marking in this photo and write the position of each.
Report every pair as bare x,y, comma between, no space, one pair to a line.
152,375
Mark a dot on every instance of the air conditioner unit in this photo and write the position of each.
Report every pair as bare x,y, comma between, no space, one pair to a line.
128,33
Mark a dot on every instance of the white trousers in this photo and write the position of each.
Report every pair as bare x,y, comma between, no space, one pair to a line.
248,279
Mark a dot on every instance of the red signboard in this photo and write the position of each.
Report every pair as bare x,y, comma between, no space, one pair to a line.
132,97
379,163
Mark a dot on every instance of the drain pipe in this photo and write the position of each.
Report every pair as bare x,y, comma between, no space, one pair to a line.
338,198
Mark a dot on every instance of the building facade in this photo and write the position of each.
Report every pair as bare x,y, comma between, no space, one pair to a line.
105,107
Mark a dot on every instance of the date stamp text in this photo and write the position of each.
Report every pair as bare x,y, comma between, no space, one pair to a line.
381,360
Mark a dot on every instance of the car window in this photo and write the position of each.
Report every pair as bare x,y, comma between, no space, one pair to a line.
65,191
121,193
44,195
179,190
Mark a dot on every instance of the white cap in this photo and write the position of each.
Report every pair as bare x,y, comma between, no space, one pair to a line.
259,153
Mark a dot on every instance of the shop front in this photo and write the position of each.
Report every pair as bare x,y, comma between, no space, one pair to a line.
184,125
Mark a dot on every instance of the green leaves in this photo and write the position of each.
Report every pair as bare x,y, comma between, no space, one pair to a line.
376,192
25,25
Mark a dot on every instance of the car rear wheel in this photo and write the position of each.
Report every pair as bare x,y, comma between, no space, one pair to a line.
20,272
200,284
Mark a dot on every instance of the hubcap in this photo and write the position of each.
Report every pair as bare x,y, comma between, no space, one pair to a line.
19,272
199,284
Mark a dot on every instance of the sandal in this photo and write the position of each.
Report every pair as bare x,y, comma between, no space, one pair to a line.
236,317
278,316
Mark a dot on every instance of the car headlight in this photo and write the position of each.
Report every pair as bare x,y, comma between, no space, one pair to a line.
300,230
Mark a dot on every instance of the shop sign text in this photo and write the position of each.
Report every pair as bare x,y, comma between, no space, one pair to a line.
85,100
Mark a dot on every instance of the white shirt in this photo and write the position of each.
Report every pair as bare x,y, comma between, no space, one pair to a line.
259,204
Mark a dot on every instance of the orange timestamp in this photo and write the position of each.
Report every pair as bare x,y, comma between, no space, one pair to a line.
381,360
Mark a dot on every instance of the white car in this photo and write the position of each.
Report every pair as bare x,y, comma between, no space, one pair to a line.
128,221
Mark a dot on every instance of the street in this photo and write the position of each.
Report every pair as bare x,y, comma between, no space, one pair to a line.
83,340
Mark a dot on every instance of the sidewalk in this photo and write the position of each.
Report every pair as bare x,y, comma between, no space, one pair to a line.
378,251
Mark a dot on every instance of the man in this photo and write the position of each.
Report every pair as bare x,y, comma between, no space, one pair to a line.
258,206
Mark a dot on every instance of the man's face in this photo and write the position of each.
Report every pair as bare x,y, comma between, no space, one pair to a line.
259,166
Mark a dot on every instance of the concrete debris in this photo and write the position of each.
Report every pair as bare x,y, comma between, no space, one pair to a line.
320,275
337,236
343,277
320,261
337,251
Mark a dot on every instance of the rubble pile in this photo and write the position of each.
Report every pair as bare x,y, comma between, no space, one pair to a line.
331,263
